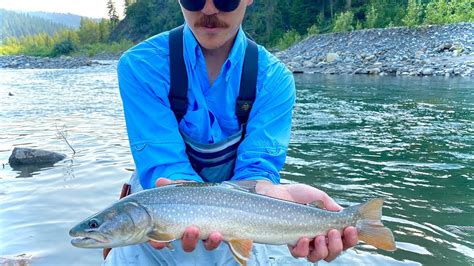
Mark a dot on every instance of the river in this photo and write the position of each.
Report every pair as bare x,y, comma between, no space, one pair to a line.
408,139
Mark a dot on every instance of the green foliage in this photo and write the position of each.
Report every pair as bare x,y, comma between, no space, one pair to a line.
414,13
112,12
443,12
275,23
313,30
89,31
437,12
64,47
344,22
18,25
90,39
371,17
288,39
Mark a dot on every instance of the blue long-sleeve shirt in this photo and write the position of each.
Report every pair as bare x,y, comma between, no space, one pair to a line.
156,144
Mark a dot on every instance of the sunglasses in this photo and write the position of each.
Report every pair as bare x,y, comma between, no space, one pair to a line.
222,5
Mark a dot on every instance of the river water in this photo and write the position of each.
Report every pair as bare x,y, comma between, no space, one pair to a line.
410,140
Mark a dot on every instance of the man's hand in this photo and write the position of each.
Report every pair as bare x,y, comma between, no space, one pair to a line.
321,247
191,233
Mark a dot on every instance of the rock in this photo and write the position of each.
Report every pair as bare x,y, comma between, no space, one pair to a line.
331,57
370,57
373,71
427,71
28,156
308,64
18,260
443,47
378,64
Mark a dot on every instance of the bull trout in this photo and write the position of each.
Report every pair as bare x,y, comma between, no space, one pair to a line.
240,215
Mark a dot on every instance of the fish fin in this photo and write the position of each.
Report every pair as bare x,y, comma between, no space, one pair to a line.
160,237
318,204
241,249
170,246
371,229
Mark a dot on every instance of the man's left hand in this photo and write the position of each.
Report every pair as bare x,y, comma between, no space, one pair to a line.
321,247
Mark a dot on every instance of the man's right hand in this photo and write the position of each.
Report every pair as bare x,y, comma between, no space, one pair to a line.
191,234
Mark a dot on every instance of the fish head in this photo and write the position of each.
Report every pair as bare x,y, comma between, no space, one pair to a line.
123,223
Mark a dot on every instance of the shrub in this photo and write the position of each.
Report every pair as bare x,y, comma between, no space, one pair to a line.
64,47
414,12
288,39
344,22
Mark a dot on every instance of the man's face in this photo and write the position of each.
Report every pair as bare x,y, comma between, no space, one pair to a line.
213,28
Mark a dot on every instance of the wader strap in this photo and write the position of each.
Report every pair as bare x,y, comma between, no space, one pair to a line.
248,84
125,192
178,95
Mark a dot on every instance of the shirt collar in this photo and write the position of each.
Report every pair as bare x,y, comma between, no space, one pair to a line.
193,50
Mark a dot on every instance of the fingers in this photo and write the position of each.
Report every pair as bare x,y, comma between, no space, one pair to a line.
301,249
349,238
157,245
320,249
190,238
213,241
163,181
330,204
334,245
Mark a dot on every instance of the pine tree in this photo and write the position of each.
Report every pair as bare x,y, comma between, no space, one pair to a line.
112,12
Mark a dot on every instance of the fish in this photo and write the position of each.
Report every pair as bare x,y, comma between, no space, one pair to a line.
241,215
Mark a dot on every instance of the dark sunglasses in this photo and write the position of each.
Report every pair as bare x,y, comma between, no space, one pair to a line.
222,5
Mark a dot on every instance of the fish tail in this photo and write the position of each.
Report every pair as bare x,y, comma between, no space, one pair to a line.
370,227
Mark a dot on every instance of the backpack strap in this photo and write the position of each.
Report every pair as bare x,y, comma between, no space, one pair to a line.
248,84
178,95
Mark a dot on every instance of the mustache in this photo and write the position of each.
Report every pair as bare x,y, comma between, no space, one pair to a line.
210,22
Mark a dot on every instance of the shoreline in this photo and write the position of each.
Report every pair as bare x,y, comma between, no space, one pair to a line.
61,62
439,50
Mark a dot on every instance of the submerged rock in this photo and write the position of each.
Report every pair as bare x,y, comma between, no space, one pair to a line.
28,156
18,260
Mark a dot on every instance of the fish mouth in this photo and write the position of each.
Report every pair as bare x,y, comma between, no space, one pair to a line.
88,239
84,242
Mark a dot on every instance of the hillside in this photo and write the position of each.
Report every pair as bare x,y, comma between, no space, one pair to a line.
69,20
14,24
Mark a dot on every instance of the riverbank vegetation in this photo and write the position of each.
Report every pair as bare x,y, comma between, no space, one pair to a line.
91,38
273,23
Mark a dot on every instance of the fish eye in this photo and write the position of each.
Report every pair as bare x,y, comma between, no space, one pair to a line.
93,223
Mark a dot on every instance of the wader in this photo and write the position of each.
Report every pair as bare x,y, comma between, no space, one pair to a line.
214,163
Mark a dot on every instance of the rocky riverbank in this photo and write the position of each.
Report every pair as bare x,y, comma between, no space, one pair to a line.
446,50
62,62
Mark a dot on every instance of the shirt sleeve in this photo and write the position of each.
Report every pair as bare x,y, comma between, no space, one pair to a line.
155,142
262,153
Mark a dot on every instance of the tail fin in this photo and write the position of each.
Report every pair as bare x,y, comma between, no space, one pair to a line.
371,229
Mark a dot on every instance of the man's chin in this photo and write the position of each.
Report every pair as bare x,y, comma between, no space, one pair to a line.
211,42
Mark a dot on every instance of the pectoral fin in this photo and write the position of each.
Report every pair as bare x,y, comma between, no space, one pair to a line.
318,204
160,237
241,249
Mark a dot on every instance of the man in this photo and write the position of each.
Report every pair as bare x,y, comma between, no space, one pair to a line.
223,132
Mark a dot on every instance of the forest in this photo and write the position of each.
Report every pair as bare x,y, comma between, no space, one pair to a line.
274,23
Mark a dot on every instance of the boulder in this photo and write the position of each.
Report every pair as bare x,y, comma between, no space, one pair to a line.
28,156
331,57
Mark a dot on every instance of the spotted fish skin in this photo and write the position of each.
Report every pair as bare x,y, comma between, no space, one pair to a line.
240,215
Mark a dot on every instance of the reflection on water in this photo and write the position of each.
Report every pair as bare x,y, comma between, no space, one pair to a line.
30,170
409,140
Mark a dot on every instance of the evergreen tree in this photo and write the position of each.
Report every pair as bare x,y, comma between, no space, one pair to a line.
112,12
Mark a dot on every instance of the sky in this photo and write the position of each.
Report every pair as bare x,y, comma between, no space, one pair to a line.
88,8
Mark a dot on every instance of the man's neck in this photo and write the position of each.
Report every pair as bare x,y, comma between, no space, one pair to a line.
215,58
